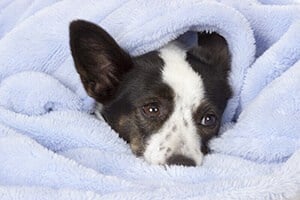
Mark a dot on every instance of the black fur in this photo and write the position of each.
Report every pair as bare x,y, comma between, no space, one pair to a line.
99,60
125,84
211,60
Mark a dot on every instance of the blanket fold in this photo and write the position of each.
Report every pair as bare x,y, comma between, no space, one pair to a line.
53,147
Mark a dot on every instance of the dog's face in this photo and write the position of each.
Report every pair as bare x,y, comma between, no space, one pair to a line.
167,104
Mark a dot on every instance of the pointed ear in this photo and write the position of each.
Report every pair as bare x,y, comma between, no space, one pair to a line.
98,59
215,49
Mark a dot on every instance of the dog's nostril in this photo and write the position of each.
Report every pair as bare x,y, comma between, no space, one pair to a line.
180,160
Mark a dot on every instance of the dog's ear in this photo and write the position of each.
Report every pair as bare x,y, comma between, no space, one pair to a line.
214,55
214,49
98,59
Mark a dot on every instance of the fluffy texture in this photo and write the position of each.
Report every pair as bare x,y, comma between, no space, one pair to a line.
51,147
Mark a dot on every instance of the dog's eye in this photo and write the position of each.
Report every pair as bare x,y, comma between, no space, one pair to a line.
209,120
151,110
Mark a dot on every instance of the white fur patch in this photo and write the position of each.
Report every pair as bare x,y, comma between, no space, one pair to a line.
178,135
98,110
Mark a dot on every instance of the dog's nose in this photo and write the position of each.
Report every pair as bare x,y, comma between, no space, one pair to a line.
181,160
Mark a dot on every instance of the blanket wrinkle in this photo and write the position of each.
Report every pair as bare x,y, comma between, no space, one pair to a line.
53,147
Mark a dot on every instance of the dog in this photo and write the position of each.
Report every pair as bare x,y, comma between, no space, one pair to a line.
168,103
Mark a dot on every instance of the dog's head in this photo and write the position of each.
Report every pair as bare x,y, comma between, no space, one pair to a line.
167,104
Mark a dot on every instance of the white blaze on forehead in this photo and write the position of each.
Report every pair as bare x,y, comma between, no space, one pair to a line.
180,76
178,135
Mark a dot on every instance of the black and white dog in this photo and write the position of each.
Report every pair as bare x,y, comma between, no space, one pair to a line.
167,104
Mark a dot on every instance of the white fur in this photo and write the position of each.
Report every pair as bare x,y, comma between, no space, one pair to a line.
189,92
98,110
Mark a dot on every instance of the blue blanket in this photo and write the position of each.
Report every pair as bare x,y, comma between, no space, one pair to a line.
52,147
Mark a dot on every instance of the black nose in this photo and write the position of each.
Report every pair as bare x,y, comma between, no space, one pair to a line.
180,160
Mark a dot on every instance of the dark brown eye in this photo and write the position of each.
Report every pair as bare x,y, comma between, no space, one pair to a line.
209,120
151,110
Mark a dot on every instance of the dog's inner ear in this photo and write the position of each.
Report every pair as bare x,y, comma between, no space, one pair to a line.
98,59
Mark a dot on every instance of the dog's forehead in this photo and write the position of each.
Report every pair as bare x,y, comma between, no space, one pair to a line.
166,68
180,76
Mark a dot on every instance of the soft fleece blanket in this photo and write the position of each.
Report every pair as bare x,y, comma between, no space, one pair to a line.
52,147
